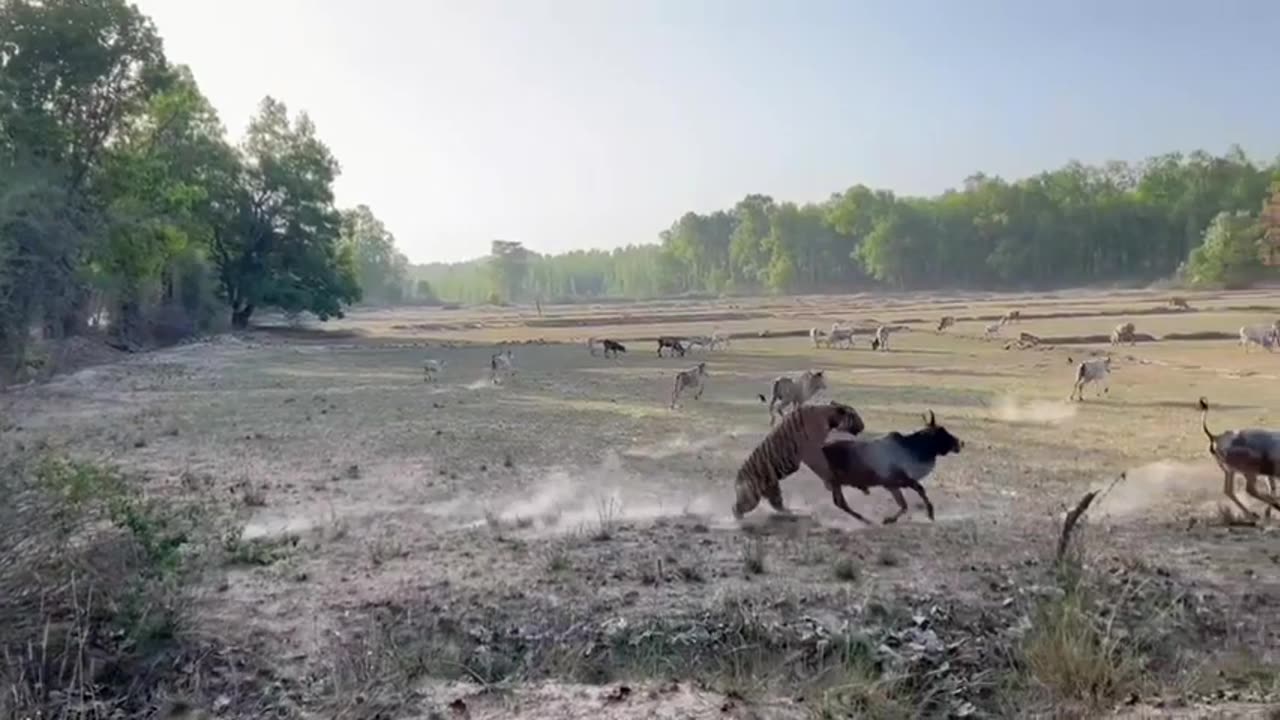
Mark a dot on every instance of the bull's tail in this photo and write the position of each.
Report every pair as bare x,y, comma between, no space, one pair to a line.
761,396
1204,419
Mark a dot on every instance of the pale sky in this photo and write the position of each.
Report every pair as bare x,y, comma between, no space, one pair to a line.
595,123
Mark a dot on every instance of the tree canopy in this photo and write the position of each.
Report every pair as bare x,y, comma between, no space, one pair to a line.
123,204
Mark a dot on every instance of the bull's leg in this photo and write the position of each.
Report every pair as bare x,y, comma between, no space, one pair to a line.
1251,487
902,505
1229,489
675,394
1077,389
919,489
837,497
701,387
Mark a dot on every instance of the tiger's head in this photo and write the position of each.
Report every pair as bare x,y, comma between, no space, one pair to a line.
842,417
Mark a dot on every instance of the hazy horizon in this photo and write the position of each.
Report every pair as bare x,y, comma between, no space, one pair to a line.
599,125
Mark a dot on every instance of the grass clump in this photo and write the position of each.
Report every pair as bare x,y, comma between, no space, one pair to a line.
95,582
753,556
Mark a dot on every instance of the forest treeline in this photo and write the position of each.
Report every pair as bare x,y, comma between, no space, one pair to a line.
125,208
1196,217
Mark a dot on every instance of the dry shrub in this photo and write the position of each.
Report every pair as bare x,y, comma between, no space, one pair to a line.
93,582
1072,655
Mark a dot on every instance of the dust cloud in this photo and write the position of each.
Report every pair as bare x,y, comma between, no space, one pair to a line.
572,500
1163,484
1043,412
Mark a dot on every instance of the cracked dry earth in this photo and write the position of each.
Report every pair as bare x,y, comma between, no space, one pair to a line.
567,528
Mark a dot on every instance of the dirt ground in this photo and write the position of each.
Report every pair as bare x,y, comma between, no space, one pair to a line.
570,507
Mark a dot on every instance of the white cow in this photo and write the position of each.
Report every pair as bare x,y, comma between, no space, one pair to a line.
818,337
1262,335
793,392
1092,371
694,378
501,363
432,367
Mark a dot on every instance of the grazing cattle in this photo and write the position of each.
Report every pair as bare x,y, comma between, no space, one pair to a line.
432,367
720,340
793,393
992,329
797,439
501,363
613,346
1124,332
1027,338
1262,335
1092,371
1179,303
694,378
946,322
1012,316
1251,452
843,337
818,337
881,339
893,462
676,344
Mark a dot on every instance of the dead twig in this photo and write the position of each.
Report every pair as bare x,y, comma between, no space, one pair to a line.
1069,524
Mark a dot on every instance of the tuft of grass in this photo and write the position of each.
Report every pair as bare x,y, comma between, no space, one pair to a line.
753,556
1071,654
557,560
863,692
386,549
608,511
846,570
691,572
261,551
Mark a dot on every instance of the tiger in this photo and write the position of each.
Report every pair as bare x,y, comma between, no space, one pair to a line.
797,439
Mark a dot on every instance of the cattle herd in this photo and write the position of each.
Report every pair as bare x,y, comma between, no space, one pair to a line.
896,462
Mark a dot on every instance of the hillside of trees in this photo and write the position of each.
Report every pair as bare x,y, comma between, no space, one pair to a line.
1196,216
125,209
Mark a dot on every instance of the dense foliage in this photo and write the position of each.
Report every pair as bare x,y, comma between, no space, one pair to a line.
1118,223
123,204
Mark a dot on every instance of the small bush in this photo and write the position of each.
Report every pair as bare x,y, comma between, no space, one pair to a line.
845,570
1070,653
92,574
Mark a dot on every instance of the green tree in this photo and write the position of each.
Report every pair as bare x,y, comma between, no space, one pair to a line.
382,270
1230,254
509,266
156,190
72,72
278,244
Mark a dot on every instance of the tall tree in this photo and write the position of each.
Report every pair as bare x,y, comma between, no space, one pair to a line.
509,266
382,270
71,74
278,246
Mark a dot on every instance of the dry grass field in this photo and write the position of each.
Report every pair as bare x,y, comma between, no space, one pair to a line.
561,546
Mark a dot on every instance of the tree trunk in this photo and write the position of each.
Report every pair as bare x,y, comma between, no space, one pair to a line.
240,318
